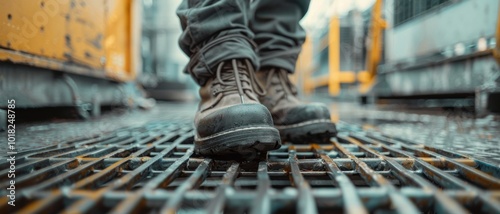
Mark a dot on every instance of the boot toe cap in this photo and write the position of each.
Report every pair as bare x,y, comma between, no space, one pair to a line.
234,117
301,113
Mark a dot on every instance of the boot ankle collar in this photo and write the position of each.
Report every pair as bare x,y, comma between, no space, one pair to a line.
195,58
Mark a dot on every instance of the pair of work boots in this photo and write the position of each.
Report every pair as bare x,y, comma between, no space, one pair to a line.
238,116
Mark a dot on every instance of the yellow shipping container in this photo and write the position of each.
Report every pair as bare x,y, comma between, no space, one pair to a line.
89,37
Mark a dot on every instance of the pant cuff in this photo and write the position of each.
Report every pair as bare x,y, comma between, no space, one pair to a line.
287,63
205,66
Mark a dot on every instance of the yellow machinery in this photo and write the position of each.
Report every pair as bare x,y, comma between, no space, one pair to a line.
374,50
90,37
335,76
68,52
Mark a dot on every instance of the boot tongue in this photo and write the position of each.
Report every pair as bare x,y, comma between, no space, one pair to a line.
280,80
241,77
281,93
228,67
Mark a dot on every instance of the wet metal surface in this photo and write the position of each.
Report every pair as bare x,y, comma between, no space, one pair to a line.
151,168
452,130
61,128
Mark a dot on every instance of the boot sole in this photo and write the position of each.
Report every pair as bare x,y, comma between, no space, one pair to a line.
314,131
243,143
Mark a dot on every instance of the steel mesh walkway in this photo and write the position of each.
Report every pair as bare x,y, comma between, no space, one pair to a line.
152,169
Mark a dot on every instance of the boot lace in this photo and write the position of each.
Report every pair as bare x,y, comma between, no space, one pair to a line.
287,89
232,82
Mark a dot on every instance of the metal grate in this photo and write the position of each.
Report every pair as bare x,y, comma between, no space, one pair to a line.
152,169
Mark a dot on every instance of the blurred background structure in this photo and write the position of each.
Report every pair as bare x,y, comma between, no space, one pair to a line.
163,61
430,53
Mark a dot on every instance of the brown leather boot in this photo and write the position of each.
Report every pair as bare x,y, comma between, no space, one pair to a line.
230,120
297,122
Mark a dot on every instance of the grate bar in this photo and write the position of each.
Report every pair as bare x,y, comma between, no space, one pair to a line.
306,203
194,181
98,179
472,175
24,168
217,204
447,204
40,175
129,180
351,200
402,204
445,180
152,169
261,203
132,204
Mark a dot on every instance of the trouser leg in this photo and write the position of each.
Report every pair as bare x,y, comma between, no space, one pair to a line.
215,31
278,35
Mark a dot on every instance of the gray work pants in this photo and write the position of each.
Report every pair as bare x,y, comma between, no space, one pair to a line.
266,32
